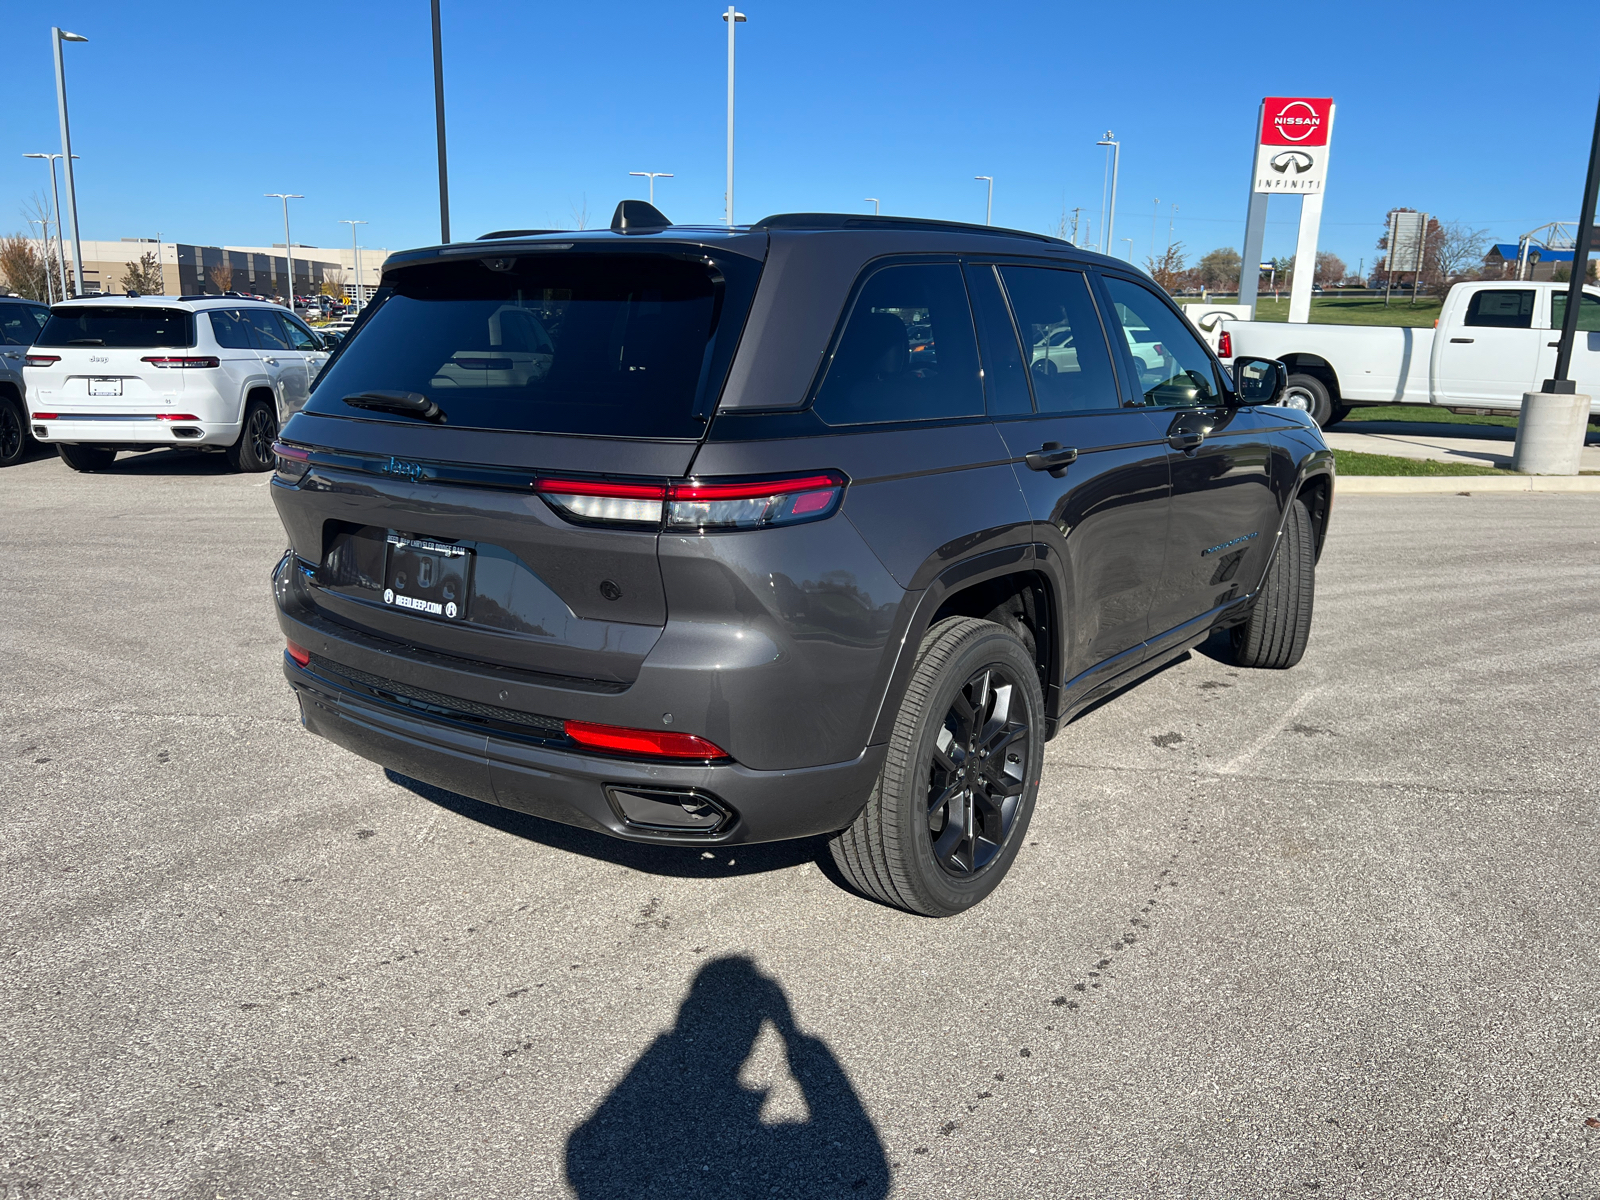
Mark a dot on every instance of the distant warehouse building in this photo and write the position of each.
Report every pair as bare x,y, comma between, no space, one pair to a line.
191,270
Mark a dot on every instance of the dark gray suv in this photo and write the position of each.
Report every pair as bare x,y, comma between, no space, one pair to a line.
820,526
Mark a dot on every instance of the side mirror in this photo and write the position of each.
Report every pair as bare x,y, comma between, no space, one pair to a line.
1259,380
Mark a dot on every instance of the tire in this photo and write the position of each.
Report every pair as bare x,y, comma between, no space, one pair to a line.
253,450
1275,636
13,432
86,458
928,840
1310,394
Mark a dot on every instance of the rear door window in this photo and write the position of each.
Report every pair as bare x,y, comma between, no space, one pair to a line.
613,344
1061,335
267,329
1501,308
1588,313
127,327
907,351
1005,377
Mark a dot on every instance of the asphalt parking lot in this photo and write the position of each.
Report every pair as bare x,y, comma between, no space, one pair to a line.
1329,931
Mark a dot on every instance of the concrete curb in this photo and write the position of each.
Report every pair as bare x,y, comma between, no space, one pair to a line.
1393,485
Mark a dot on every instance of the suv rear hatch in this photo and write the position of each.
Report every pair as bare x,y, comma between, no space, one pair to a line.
112,358
477,474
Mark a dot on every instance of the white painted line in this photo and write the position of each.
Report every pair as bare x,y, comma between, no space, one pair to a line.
1241,760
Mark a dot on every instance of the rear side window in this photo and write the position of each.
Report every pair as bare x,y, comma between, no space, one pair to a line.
1061,335
17,326
1501,309
614,344
231,329
907,352
125,326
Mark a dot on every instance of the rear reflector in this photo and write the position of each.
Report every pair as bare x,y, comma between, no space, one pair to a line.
46,416
168,361
41,360
299,653
176,417
642,743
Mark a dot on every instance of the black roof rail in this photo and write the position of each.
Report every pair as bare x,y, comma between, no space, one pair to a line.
509,233
860,221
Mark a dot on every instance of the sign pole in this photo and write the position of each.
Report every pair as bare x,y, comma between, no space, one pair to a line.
1580,268
1255,229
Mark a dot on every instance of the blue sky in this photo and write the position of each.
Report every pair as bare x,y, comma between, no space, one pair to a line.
185,113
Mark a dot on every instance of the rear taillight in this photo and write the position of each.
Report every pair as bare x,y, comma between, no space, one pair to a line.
299,653
1224,344
641,743
170,361
698,504
41,360
176,417
293,461
753,504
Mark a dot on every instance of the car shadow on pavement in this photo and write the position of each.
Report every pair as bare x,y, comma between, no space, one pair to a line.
689,1121
690,861
169,462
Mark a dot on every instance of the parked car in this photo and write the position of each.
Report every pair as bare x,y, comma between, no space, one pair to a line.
1493,342
735,567
20,322
135,373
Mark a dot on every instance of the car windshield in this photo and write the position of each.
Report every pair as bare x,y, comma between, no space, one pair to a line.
123,326
558,343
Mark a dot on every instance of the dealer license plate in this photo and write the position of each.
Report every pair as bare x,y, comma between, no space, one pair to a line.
426,577
105,387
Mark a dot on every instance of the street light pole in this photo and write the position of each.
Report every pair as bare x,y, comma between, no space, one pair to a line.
1108,222
1130,249
288,251
988,212
354,249
872,200
438,114
57,36
55,200
733,16
652,176
1171,220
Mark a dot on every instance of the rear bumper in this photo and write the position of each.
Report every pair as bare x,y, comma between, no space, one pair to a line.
531,775
134,429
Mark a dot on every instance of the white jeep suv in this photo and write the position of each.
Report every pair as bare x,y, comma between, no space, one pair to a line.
133,373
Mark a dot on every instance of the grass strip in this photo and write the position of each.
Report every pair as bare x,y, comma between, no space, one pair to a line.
1356,462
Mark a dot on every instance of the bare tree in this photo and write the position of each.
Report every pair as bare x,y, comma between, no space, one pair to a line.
221,276
1457,251
144,276
580,213
333,282
1330,268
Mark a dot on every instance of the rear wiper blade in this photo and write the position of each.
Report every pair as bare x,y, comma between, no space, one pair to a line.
409,404
87,342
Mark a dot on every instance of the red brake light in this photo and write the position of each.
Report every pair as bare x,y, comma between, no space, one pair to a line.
41,360
299,653
1225,344
163,360
45,416
645,743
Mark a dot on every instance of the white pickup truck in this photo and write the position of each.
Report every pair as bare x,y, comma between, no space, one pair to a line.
1493,342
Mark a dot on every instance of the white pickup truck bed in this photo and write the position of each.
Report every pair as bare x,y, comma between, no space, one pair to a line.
1494,341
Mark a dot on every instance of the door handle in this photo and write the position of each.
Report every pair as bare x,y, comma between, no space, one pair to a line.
1052,457
1461,341
1552,345
1186,439
273,361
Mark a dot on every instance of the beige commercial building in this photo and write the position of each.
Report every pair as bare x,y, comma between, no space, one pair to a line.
192,270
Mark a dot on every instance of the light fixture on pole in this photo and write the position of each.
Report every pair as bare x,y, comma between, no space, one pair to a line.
872,200
44,238
438,117
988,212
57,36
355,250
55,200
288,251
733,16
652,176
1108,222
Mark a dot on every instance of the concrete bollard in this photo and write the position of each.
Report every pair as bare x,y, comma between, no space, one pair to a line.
1550,433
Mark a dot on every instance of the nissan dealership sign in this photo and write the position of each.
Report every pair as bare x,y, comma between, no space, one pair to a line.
1292,144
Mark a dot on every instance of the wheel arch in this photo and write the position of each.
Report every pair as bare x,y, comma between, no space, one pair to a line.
1304,363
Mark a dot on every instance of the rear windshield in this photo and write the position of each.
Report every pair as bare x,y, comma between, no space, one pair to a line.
616,344
125,326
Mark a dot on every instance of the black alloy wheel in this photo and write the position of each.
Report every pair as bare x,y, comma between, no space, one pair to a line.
13,432
253,450
978,772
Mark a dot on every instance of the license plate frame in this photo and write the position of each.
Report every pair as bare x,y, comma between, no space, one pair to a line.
427,578
105,386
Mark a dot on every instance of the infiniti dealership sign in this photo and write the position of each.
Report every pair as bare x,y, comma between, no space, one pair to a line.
1292,144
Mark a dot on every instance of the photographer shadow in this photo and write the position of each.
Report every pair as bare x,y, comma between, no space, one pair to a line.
684,1123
